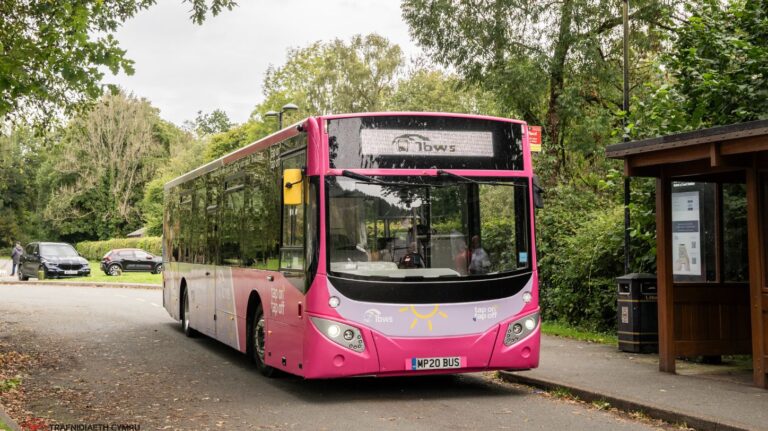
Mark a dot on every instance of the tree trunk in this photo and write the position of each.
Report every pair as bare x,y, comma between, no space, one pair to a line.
556,84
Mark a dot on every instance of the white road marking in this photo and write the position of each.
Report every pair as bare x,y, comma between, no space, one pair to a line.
152,303
141,299
120,296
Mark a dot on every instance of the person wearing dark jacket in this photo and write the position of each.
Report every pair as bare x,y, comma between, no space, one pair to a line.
16,257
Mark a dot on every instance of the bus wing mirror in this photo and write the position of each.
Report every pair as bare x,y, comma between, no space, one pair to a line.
292,187
538,193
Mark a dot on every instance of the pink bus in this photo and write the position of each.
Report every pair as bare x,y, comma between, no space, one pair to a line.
363,244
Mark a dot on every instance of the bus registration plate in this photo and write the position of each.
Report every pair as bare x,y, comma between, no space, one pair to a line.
441,363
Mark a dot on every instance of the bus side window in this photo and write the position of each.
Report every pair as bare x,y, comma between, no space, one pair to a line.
231,226
212,219
185,227
261,219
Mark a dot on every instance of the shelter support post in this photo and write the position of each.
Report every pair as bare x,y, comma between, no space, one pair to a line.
758,285
664,270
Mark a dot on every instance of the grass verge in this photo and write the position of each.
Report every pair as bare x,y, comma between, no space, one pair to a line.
127,277
561,330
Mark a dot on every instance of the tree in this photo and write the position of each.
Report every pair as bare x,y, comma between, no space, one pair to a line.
97,173
714,73
52,52
334,77
21,153
427,89
549,61
208,124
236,137
185,153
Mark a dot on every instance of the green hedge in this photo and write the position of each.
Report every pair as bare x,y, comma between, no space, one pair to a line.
95,250
580,248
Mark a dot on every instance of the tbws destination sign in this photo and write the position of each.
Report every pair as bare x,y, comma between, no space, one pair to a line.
445,143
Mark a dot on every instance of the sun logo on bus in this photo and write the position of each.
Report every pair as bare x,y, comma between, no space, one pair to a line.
428,317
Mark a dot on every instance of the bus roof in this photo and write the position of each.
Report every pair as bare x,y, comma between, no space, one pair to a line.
292,131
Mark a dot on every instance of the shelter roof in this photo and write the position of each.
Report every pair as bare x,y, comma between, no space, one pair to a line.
716,149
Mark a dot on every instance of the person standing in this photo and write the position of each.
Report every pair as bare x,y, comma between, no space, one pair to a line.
16,257
481,262
462,258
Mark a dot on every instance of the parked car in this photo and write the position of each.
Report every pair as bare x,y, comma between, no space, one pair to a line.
52,260
130,260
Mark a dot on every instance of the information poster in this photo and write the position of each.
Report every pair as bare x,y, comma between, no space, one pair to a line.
686,234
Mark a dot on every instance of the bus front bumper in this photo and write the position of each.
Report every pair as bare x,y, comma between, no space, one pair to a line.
396,356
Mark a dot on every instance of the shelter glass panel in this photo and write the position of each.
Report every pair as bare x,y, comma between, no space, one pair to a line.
735,251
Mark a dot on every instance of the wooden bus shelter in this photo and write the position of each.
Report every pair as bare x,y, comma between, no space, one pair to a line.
711,238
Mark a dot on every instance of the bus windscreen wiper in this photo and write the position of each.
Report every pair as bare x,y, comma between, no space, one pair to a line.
360,177
442,173
367,179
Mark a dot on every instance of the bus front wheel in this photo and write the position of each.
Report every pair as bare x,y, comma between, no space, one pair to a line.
258,342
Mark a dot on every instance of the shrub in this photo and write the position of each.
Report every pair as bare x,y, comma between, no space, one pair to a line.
580,248
95,250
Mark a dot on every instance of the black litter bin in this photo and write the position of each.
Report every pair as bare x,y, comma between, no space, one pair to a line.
638,313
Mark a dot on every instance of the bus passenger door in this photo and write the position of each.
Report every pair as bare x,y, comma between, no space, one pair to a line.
286,302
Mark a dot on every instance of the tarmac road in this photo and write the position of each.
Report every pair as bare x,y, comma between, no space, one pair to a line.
118,358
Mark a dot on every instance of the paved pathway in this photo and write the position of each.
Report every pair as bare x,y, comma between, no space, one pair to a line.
707,397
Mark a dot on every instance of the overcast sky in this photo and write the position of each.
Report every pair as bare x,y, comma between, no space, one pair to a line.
183,68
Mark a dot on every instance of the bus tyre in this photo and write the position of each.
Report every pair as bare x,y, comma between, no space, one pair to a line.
185,326
258,342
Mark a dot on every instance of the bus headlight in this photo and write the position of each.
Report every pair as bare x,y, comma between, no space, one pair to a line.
352,338
521,328
530,324
334,331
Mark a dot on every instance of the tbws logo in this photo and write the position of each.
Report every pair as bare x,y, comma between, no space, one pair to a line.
373,315
413,143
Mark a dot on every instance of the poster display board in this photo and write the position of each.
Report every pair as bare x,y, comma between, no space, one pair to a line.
686,234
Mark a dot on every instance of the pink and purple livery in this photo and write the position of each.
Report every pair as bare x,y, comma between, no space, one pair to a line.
362,244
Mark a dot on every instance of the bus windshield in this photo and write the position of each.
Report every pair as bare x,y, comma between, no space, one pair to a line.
418,228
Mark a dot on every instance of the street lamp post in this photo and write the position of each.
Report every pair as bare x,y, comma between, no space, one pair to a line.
627,195
279,115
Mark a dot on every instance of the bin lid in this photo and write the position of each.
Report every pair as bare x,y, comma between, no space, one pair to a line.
636,276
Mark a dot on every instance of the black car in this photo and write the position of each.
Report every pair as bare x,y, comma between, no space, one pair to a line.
51,260
130,259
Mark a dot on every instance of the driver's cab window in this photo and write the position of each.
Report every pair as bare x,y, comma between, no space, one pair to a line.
292,241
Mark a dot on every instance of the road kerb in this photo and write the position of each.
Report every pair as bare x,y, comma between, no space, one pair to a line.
627,404
86,284
10,423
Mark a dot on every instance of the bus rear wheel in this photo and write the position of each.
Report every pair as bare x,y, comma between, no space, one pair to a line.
188,331
258,342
